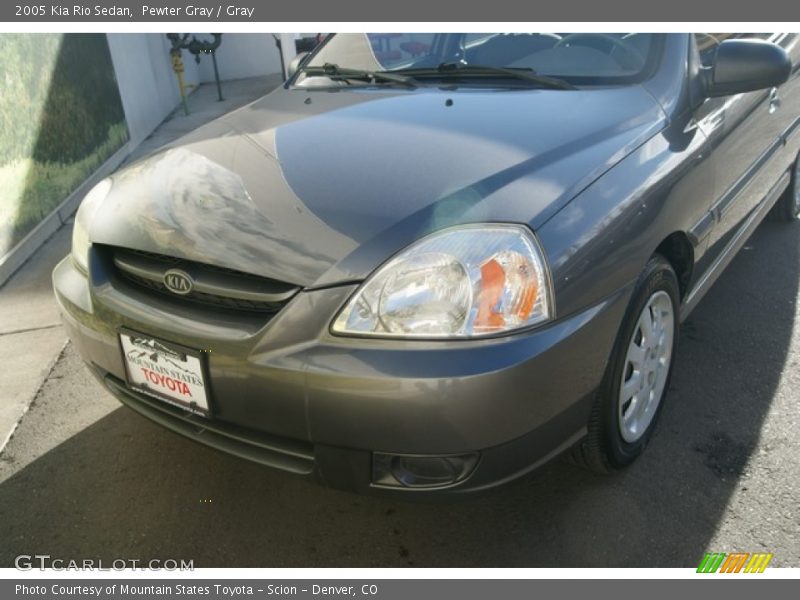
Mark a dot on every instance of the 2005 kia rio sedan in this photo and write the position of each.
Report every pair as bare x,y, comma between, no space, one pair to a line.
431,262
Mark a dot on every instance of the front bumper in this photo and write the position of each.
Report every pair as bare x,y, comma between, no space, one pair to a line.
288,394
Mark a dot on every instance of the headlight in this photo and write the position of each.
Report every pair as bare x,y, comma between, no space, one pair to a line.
80,236
466,281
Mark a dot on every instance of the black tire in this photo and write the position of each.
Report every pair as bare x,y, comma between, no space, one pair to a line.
604,450
787,208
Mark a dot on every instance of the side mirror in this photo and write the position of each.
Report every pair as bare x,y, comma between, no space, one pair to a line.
295,64
746,65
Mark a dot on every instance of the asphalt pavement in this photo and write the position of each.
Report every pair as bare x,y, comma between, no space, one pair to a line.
83,477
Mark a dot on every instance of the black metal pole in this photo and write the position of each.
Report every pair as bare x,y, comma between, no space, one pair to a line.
216,75
280,54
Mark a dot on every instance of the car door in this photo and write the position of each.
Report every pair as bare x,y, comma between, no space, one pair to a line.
745,137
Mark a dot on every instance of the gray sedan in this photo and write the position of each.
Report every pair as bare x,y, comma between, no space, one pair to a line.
429,263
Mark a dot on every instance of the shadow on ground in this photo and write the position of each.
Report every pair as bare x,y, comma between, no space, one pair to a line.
124,488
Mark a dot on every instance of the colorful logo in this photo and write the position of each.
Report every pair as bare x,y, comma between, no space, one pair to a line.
736,562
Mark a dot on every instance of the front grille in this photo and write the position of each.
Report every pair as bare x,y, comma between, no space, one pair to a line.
215,286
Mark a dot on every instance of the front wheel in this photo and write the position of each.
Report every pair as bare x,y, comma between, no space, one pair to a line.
630,398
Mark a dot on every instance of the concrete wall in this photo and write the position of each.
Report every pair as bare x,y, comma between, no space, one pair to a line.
147,83
240,55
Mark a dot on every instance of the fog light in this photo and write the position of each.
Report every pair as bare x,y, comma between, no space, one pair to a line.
421,471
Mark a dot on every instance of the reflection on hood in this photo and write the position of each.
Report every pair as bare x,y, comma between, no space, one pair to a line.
182,204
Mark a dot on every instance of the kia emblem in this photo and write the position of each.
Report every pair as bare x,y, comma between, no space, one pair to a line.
178,282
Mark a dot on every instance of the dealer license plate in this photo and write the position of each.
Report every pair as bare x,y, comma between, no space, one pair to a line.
166,371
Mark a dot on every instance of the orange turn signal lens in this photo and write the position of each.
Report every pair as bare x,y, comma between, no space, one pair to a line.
508,291
493,282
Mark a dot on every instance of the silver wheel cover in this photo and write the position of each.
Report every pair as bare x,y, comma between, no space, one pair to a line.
646,366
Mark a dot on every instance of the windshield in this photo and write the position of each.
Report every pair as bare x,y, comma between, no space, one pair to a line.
577,58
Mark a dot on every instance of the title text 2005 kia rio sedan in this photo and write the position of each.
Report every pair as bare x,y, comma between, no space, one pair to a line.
431,262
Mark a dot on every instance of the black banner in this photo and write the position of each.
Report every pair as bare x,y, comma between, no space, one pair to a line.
392,589
59,11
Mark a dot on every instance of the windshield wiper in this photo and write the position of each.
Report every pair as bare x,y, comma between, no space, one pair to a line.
337,73
459,70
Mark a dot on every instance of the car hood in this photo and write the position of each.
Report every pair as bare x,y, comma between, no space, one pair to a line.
320,187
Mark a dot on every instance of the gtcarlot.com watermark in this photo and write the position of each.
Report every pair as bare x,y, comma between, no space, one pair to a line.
29,562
